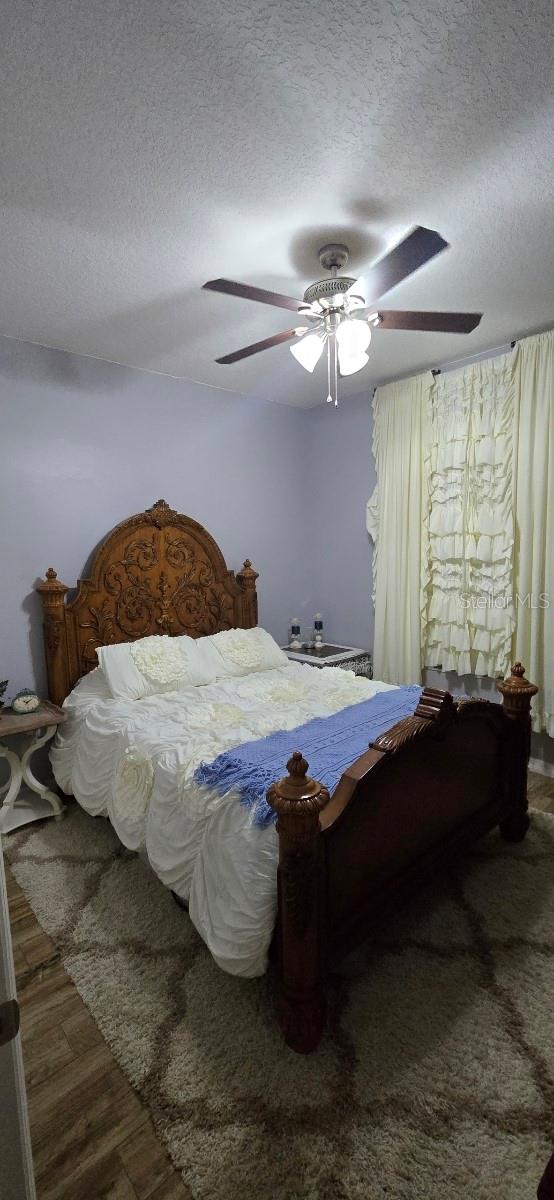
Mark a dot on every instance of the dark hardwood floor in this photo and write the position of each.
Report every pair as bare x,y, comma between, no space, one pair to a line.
92,1136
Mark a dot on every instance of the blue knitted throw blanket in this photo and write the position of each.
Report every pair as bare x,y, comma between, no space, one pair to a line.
330,744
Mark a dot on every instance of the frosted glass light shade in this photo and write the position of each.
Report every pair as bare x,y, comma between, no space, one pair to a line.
308,350
353,338
349,364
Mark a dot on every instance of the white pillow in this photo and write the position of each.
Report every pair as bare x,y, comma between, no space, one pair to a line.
153,665
242,651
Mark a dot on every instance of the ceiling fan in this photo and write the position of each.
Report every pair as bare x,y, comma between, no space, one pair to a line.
341,311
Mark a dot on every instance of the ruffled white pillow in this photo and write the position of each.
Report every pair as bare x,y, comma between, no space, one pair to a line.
242,651
153,665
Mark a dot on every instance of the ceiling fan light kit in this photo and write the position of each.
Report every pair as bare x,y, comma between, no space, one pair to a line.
340,310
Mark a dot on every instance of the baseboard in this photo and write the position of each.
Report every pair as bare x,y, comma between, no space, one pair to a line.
542,768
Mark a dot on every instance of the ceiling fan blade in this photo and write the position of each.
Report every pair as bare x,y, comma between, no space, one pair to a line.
431,322
230,288
418,247
255,348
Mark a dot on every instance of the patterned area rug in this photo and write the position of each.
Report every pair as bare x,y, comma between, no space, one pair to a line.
435,1080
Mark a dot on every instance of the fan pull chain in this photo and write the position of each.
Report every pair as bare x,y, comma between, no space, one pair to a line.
329,396
336,371
332,383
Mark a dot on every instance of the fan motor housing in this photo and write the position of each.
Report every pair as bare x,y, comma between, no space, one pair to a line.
327,288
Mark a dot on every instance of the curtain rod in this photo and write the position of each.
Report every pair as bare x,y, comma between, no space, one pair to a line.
479,356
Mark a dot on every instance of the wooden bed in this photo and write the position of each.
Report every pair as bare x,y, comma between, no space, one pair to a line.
424,791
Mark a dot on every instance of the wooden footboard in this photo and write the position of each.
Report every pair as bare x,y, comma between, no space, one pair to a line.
423,791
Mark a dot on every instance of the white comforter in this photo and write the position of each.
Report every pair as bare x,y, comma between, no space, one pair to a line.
135,760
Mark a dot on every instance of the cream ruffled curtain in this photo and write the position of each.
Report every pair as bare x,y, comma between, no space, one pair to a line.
534,514
467,565
465,509
395,522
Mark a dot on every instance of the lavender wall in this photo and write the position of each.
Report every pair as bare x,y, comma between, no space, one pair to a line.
342,477
85,443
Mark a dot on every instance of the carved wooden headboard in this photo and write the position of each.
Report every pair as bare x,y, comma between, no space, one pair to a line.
157,572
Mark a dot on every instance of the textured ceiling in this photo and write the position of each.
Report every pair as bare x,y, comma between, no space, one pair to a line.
148,146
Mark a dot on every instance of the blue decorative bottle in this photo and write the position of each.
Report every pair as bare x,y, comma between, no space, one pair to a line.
295,642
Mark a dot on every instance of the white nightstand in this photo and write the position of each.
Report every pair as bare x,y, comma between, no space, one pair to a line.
42,725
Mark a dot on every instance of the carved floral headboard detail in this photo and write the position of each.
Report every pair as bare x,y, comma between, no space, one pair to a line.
157,572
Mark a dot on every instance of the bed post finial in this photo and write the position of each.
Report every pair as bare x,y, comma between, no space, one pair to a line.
52,593
298,801
517,694
247,580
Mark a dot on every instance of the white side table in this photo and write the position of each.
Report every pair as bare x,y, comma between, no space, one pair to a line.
42,724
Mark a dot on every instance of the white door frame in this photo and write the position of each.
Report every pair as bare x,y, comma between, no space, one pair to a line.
16,1160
